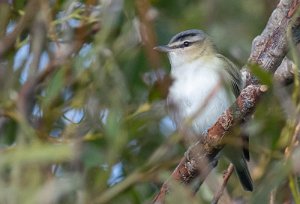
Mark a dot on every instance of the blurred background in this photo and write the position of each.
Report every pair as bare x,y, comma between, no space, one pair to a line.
82,115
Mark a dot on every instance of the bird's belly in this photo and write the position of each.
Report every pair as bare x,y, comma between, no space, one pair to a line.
210,114
202,98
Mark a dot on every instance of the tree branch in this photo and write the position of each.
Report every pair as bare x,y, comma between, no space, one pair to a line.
285,72
268,51
7,42
226,177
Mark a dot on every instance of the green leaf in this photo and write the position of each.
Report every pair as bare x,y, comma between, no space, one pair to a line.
264,76
54,87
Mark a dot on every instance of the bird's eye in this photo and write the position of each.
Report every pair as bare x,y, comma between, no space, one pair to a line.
186,43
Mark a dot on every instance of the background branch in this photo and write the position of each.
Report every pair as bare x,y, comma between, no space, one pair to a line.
8,41
28,90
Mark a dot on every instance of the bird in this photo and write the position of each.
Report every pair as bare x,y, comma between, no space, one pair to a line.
205,83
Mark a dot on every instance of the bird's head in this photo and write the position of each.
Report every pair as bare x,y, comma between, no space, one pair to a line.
187,46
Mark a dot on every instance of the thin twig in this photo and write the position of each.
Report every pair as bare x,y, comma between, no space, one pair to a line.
226,177
272,196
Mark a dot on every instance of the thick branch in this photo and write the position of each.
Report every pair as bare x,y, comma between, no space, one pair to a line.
269,48
268,51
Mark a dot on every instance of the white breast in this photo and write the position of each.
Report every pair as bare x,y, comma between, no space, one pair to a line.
193,82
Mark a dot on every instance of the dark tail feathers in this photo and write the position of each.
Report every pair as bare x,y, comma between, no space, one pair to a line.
242,171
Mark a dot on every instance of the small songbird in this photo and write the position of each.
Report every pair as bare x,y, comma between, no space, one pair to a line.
205,84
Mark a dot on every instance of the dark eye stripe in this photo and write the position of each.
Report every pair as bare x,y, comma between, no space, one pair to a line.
182,45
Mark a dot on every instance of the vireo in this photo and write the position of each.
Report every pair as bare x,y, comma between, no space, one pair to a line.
201,73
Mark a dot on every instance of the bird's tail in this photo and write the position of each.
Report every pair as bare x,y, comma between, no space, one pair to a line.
243,173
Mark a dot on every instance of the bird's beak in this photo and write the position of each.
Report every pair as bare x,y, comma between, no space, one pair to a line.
163,48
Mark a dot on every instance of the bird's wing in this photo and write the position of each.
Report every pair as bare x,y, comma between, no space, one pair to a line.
233,74
236,84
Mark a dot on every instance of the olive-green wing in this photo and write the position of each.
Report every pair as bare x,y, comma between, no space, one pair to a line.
236,84
234,75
